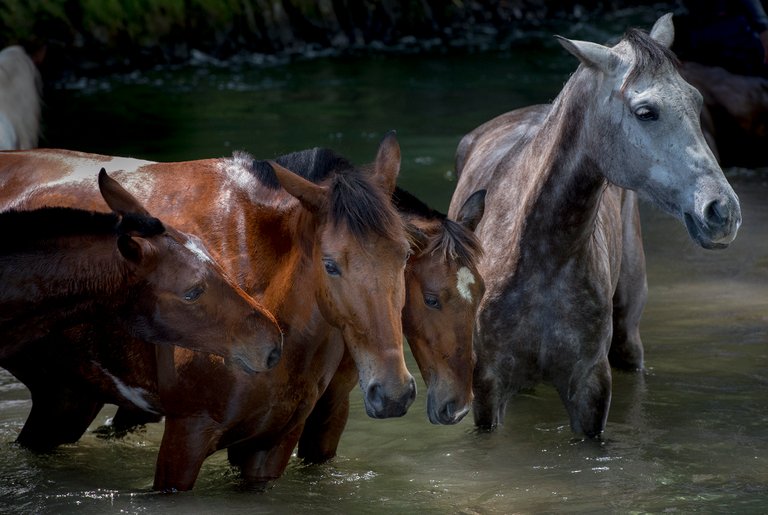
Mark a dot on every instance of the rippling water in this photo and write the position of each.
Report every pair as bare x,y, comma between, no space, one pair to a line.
688,435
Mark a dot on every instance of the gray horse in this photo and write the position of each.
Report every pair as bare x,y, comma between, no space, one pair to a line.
564,265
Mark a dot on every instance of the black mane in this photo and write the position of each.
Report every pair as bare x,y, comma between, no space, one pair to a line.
355,201
453,241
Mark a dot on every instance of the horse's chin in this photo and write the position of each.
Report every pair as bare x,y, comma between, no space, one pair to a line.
697,232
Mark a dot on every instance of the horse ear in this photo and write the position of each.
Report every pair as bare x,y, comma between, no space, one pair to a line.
117,198
312,196
472,210
591,54
134,248
387,164
663,31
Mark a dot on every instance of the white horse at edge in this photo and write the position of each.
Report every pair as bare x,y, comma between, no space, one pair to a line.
20,89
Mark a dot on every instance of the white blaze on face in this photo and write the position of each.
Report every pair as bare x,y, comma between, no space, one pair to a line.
464,279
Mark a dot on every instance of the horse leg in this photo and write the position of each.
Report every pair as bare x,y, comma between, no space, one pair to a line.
186,443
626,351
57,418
488,405
259,466
587,396
324,426
127,419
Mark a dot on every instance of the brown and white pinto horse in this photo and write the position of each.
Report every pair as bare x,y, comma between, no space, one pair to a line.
60,267
563,263
325,258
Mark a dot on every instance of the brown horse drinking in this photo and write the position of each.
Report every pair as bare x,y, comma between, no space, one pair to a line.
443,289
326,258
563,262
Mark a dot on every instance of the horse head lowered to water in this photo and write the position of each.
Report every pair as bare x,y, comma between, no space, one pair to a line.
563,262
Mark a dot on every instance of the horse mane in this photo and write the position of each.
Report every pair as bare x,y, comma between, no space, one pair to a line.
454,241
24,229
649,55
355,201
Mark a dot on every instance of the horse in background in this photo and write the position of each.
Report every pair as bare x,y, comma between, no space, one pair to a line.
20,100
563,262
734,118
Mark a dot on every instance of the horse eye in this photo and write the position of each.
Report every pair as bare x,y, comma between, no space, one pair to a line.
331,267
431,301
645,114
194,294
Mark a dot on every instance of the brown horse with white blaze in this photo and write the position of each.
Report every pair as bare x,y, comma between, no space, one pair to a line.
325,258
563,262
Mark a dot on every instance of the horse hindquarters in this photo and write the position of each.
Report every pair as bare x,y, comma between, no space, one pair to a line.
626,351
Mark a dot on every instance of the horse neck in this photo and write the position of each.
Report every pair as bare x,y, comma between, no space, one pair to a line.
290,281
564,201
67,268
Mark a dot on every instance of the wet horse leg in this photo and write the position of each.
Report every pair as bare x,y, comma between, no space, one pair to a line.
587,395
57,417
626,351
186,442
324,426
127,419
488,405
259,465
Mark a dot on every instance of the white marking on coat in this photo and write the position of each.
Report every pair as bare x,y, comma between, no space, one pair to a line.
132,394
196,247
464,279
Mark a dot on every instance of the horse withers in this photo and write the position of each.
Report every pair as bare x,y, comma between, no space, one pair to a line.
326,258
563,263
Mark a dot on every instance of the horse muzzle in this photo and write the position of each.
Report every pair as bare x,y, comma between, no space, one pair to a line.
445,412
715,225
381,403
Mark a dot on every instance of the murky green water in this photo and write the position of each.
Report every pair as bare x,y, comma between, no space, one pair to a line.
689,435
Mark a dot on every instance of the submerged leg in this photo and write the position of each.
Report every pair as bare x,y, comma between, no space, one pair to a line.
488,405
626,351
260,465
126,419
57,418
185,445
324,426
587,396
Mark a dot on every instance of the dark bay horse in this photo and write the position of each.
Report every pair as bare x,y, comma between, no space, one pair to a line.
563,263
325,258
60,267
443,289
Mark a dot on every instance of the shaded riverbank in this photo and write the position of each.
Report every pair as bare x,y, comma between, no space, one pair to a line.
92,37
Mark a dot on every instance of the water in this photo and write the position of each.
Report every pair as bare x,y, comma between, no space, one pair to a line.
689,435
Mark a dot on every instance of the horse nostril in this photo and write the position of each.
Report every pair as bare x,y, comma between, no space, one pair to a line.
716,213
274,357
374,395
412,391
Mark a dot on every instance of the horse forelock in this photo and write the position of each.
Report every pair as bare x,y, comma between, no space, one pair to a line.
140,225
649,55
457,243
360,206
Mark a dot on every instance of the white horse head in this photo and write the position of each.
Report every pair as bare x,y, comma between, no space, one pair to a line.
649,134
